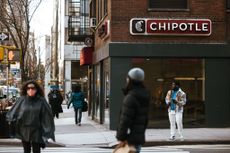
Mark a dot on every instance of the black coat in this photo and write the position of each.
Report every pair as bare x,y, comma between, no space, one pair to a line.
134,116
33,119
55,101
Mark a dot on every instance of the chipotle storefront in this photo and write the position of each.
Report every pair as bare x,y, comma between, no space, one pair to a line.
202,69
203,74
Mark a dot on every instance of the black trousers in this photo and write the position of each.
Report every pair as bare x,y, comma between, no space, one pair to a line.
56,114
27,147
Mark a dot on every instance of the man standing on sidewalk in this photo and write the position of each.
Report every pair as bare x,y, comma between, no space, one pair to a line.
175,99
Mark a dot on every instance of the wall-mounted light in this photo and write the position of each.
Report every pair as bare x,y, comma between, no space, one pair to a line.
159,79
185,78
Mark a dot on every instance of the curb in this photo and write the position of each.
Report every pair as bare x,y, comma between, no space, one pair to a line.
177,142
16,142
185,142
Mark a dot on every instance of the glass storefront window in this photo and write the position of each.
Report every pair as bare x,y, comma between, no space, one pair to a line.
97,92
159,75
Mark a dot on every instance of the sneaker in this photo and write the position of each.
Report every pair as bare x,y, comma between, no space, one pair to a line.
172,138
181,138
79,124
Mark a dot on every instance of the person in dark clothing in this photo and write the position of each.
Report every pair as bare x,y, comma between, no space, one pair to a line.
77,98
33,118
55,101
134,112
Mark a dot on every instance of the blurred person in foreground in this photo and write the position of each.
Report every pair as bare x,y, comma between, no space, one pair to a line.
134,112
175,99
33,118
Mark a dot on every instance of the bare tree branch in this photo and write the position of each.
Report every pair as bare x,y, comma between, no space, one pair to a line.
15,17
33,12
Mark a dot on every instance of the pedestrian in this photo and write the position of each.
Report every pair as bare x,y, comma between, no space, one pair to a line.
134,112
68,96
77,99
33,119
55,101
175,100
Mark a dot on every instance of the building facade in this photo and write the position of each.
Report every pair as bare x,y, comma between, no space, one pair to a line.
185,40
75,31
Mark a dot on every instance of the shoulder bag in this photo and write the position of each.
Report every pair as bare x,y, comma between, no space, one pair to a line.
124,148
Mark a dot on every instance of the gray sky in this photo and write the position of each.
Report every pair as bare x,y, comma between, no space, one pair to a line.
41,24
42,19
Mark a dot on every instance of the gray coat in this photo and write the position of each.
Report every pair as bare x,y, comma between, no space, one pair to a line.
33,118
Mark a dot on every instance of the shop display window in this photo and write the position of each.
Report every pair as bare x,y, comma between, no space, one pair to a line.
159,74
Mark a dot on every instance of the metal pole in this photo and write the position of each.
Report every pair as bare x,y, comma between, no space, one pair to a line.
7,77
39,62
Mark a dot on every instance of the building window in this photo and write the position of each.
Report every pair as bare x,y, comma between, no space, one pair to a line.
105,7
93,9
102,9
228,4
168,4
159,75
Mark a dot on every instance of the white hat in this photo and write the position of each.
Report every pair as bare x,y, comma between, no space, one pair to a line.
136,74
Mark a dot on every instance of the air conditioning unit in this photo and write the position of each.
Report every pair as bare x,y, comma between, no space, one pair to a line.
92,23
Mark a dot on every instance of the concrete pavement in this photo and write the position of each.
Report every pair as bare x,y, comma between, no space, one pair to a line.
93,134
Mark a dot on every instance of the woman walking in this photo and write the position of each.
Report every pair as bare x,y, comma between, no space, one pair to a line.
77,99
33,118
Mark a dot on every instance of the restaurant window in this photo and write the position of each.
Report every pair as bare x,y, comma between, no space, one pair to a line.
105,7
97,92
159,74
102,9
168,4
228,4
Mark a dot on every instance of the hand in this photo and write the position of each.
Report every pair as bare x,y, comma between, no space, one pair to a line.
121,143
174,101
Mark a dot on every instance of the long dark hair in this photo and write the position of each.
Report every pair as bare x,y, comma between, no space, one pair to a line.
37,86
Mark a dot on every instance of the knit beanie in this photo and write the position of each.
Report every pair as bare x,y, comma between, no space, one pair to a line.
136,74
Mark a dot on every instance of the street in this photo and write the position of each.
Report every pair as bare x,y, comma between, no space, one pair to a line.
160,149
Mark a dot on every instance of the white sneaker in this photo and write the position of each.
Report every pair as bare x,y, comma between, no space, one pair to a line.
172,138
181,138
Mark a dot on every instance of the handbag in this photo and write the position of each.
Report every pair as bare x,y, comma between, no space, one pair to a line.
124,148
84,106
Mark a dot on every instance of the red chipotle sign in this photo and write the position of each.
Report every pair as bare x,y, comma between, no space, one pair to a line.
189,27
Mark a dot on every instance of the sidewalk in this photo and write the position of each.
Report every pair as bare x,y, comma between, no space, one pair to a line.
94,134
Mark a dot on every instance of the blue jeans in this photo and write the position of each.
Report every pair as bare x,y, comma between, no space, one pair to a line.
78,115
138,148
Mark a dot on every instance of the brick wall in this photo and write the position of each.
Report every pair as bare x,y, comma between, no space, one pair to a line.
123,10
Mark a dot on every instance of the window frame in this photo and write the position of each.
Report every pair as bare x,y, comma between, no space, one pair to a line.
228,5
168,9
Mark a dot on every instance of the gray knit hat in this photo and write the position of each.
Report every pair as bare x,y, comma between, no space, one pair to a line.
136,74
